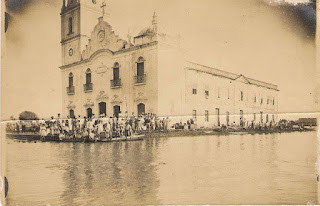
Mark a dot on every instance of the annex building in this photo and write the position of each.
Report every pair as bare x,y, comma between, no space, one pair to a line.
103,74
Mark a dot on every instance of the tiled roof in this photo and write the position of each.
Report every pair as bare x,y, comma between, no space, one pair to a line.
229,75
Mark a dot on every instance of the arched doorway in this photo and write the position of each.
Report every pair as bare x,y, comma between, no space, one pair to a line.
102,108
71,113
89,112
116,110
141,109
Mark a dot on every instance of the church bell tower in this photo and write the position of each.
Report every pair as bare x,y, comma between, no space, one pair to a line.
78,18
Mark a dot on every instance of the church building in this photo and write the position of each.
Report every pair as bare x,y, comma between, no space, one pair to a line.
103,74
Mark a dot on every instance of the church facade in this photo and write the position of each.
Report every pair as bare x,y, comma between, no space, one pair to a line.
103,74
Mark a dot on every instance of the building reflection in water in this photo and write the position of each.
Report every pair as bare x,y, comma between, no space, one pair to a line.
118,173
248,169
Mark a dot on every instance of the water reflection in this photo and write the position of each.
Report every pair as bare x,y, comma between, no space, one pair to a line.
248,169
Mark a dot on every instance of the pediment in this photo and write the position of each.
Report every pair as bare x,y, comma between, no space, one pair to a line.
242,79
103,38
140,97
88,103
102,96
71,105
116,99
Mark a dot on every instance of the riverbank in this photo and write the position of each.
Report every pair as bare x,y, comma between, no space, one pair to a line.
158,134
220,132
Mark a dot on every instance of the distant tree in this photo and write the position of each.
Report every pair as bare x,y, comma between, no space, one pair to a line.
27,115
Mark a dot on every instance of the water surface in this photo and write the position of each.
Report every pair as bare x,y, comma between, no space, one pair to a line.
248,169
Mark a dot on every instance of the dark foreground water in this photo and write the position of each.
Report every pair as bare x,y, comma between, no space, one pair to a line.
259,169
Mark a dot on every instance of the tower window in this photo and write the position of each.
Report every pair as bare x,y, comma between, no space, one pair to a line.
88,76
140,66
70,52
206,93
70,79
241,95
116,73
70,25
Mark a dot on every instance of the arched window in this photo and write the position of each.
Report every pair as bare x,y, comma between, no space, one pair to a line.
116,72
71,113
141,109
88,76
70,25
140,66
102,108
70,80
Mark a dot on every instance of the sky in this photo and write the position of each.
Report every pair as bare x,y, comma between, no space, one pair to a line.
268,40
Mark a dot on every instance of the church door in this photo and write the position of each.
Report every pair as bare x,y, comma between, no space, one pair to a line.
141,109
102,108
71,113
116,110
89,112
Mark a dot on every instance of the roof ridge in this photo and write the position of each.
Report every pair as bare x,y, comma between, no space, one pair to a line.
250,80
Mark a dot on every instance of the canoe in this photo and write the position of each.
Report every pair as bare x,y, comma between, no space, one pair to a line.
238,133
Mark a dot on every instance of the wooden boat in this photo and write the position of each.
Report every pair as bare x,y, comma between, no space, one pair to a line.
238,133
56,138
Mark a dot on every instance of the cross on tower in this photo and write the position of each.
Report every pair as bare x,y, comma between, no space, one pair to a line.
103,5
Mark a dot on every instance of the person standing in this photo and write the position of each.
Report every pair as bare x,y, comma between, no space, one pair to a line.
128,130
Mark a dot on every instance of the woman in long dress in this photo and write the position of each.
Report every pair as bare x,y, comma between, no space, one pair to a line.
43,132
128,130
108,130
100,129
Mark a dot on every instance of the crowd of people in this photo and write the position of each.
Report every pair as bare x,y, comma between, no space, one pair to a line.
92,127
126,126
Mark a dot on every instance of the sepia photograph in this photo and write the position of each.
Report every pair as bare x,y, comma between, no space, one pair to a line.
149,102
